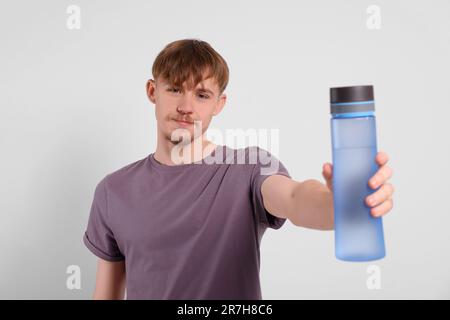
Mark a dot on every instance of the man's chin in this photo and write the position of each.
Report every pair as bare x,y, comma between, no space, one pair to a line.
180,136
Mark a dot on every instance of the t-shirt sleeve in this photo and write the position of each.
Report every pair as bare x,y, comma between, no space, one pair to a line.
267,165
98,237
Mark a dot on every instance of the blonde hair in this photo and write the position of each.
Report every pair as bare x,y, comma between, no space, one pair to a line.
190,61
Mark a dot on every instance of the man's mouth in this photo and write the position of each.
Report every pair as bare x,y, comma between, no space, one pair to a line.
184,122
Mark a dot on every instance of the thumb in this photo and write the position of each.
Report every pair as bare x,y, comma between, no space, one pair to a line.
327,172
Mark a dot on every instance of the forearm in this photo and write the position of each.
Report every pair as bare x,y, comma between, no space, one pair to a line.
312,206
110,280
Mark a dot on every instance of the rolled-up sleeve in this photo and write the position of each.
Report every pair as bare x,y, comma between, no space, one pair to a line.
266,166
98,237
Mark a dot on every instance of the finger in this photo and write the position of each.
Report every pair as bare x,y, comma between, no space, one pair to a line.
326,166
327,170
381,195
381,158
383,208
380,177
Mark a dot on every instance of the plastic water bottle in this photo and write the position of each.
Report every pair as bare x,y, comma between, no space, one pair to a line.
358,235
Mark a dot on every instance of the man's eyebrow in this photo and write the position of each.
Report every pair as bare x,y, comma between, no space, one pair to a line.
203,89
206,90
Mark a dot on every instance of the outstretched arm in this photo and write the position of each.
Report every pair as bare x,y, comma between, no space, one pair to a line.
310,203
307,204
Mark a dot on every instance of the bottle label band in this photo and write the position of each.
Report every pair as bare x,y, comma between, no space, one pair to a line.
348,107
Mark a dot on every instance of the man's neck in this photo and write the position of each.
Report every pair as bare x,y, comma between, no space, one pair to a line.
170,153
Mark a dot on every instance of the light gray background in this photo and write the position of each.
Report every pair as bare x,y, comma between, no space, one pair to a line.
73,108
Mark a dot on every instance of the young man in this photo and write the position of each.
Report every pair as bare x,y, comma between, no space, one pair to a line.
186,221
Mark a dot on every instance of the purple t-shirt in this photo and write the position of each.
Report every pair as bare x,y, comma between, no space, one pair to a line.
189,231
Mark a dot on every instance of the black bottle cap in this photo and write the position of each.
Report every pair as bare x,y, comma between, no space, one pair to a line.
351,94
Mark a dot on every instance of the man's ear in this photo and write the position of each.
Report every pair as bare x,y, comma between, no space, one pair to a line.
150,89
220,104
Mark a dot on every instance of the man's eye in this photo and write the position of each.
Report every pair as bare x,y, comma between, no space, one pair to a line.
173,90
203,96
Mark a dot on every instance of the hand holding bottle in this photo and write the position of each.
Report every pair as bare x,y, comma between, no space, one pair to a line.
383,202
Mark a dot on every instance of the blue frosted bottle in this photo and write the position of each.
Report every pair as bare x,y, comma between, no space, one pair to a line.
358,235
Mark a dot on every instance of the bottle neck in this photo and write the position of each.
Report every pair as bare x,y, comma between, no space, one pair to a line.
352,109
353,115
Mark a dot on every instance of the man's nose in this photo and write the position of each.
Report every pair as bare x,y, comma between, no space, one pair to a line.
185,104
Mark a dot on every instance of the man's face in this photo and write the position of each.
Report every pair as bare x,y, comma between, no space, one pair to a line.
178,107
